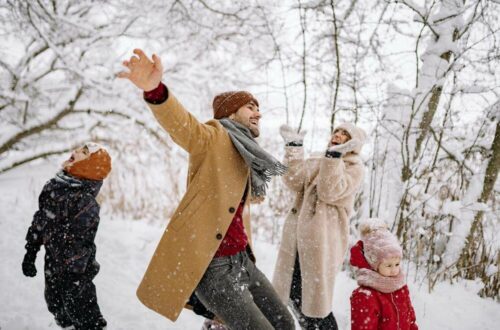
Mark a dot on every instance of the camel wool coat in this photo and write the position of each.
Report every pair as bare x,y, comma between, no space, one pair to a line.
217,179
317,226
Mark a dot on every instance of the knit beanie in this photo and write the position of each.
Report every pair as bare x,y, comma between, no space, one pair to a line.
378,242
227,103
96,166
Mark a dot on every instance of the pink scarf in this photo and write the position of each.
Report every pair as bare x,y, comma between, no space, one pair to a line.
385,284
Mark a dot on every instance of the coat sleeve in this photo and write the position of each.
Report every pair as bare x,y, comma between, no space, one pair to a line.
80,246
183,127
364,310
294,178
34,237
413,324
336,181
44,214
411,311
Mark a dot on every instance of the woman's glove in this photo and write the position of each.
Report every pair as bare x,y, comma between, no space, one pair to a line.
345,147
291,137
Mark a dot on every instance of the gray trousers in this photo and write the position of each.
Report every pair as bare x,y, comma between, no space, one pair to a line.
241,296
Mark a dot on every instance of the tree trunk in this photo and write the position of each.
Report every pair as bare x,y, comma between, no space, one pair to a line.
474,251
425,124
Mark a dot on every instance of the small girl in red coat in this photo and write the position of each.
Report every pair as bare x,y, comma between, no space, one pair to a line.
382,301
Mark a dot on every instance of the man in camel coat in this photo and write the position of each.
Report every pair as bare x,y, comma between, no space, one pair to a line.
315,233
204,259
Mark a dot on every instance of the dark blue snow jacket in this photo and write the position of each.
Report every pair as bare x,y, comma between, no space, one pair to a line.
66,224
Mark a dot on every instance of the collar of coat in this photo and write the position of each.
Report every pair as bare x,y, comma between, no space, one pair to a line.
64,181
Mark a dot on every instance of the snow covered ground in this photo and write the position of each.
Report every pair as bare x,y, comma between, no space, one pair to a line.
124,248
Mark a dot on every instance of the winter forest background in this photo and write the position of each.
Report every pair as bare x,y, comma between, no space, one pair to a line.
421,77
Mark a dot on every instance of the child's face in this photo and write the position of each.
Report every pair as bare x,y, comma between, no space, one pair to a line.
389,267
77,155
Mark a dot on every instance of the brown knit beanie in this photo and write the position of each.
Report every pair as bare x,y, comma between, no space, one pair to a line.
227,103
95,167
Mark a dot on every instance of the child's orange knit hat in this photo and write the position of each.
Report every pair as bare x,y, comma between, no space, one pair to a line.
95,167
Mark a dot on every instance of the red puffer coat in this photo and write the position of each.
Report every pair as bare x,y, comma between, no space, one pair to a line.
375,310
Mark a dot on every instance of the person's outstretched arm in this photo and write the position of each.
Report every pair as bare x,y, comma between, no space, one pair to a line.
183,127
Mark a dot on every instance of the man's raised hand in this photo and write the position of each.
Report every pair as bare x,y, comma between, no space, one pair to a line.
144,73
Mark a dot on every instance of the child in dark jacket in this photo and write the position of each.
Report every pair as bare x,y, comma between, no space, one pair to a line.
382,301
66,224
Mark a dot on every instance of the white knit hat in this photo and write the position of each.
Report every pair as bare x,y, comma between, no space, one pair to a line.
378,242
355,132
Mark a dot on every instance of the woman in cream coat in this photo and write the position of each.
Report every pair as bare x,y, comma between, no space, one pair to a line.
315,234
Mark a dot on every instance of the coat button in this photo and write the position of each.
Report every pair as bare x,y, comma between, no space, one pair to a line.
218,236
231,209
294,210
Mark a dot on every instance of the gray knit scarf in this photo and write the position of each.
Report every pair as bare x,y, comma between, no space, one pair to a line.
262,165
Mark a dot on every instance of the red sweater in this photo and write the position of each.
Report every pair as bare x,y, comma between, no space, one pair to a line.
374,310
236,239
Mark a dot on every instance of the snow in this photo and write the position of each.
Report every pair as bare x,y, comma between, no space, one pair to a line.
95,147
124,248
390,66
494,113
472,88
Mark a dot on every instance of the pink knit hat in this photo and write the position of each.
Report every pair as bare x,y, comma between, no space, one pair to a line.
378,242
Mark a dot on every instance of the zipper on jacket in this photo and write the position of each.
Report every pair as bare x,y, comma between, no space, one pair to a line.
397,311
